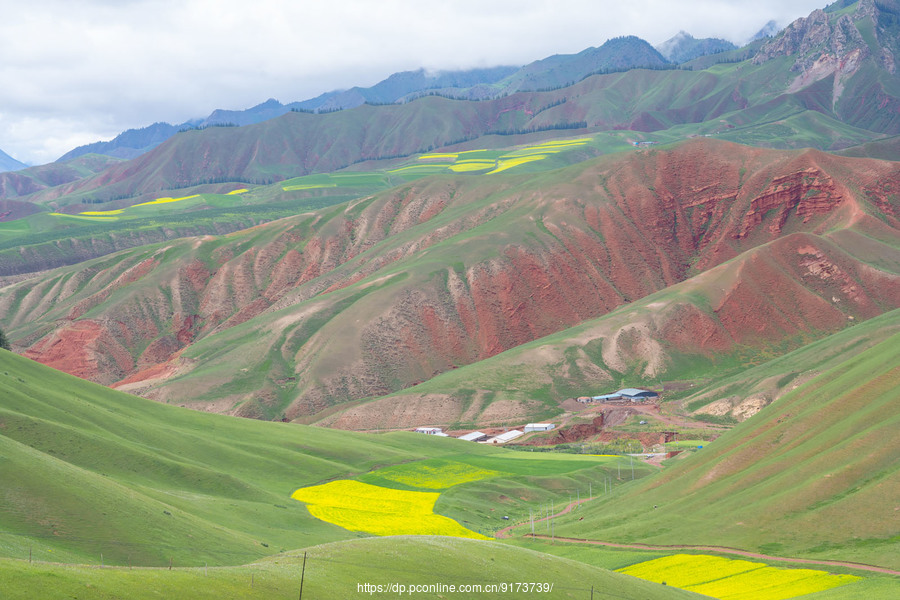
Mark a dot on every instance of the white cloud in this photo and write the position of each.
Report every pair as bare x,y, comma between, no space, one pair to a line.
78,71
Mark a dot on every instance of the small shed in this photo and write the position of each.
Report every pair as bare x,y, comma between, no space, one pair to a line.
539,427
475,436
429,430
506,437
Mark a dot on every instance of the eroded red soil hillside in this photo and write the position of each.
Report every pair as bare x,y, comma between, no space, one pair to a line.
291,317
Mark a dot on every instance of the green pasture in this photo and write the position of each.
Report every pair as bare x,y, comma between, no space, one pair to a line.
100,472
807,476
105,477
341,570
166,485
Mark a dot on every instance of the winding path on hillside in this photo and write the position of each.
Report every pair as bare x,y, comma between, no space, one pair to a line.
506,533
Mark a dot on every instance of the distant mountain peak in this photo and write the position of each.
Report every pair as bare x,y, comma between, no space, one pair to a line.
8,163
851,49
819,37
683,47
768,30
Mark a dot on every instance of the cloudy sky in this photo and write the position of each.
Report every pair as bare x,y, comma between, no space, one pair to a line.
79,71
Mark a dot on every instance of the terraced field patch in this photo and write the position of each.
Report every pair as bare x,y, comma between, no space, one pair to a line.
113,215
491,161
358,506
432,474
167,200
729,579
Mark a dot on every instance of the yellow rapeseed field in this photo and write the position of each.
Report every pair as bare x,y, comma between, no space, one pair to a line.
729,579
308,186
102,212
472,165
166,200
509,163
372,509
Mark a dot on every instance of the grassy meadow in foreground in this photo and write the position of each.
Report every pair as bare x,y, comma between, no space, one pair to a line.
341,570
101,476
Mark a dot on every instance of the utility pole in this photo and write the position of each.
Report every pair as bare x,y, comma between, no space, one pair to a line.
302,575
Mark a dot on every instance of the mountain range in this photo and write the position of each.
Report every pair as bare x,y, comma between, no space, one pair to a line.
174,303
473,84
398,275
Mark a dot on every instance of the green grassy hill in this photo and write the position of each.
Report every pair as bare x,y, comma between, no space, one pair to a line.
99,478
342,570
814,474
88,471
93,475
95,478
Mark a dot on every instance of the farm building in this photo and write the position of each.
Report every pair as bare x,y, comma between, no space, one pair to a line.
475,436
638,395
539,427
608,398
429,430
506,437
626,395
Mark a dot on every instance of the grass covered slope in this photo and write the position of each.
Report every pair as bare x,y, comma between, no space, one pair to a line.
815,475
342,570
88,471
96,476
